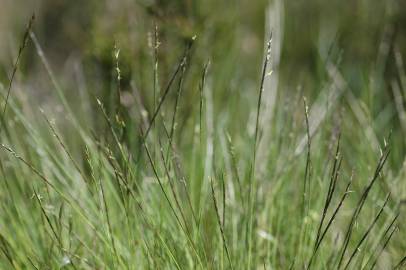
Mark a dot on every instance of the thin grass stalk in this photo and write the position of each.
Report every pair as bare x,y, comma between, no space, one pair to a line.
223,237
367,232
20,52
360,205
252,173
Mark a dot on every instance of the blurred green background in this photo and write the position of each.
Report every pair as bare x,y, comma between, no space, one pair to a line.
363,40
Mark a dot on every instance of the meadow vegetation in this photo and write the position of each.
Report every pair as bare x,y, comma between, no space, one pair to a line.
203,135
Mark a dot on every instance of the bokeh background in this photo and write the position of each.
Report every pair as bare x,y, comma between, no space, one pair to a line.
362,42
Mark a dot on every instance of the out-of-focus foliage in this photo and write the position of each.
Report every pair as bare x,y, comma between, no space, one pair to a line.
360,37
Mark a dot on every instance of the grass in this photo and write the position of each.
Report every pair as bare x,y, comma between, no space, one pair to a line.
189,181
